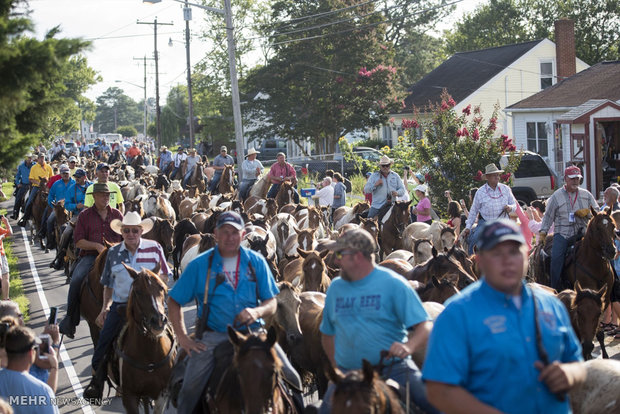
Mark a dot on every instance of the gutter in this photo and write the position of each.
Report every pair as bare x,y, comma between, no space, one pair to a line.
526,110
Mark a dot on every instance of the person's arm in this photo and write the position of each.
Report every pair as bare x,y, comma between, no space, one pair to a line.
329,346
473,212
456,222
89,245
370,184
418,336
561,377
105,308
7,226
175,314
549,216
52,380
250,315
451,399
511,202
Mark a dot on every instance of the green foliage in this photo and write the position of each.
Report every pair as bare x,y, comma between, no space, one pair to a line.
372,143
114,108
127,131
455,148
41,87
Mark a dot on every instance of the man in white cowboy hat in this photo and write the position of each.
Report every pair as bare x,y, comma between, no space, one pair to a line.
385,185
135,252
179,157
219,164
251,169
567,210
165,158
492,201
191,162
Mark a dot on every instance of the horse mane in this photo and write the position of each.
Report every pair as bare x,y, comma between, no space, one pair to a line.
447,230
283,285
585,294
417,242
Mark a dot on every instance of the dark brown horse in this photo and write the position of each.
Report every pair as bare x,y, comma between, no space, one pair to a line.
286,319
585,307
196,180
438,266
162,232
62,217
225,186
439,290
393,225
146,345
363,391
285,194
91,296
314,272
252,385
38,208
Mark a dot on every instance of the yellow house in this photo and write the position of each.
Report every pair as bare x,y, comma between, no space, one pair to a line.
498,76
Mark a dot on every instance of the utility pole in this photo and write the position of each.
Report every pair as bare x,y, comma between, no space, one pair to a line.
187,15
144,59
157,107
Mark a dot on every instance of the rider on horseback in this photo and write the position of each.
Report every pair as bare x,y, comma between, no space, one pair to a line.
251,169
383,195
219,164
179,157
280,172
165,158
22,184
39,170
567,209
137,253
241,289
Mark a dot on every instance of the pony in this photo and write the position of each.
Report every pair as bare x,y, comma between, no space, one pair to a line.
285,194
91,293
260,188
314,273
38,208
438,266
363,391
598,394
585,307
182,229
162,232
196,178
286,319
439,290
225,185
146,345
393,225
343,215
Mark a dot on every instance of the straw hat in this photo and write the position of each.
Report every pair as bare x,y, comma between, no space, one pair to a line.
252,151
492,169
385,160
131,219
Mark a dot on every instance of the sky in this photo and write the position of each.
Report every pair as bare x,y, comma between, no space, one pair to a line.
117,39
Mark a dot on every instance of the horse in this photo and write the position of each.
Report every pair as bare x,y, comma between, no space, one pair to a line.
399,266
585,307
438,266
137,161
62,217
422,250
91,294
311,218
343,215
286,318
162,232
182,229
253,383
196,179
285,194
193,246
134,205
38,208
393,225
264,242
265,207
314,273
146,345
447,238
363,391
439,290
261,187
225,185
598,394
421,230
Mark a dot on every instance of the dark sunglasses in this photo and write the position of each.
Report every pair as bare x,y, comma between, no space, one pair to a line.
344,253
134,231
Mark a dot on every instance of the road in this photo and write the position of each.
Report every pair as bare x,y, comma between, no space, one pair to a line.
46,287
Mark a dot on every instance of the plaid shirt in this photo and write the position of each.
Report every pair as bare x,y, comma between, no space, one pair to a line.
560,205
92,227
490,203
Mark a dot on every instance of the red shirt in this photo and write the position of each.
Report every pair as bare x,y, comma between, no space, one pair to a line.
90,226
277,171
52,180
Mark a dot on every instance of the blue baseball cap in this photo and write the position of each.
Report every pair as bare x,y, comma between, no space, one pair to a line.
103,165
232,218
79,173
368,174
497,231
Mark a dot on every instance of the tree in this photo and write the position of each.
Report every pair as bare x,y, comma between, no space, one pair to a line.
174,115
35,95
127,131
327,86
114,108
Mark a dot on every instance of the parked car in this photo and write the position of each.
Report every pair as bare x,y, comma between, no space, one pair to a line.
338,164
270,148
533,179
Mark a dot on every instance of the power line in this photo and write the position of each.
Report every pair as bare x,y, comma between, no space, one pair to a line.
327,13
132,35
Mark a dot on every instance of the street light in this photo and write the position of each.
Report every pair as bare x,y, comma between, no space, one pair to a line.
143,87
234,84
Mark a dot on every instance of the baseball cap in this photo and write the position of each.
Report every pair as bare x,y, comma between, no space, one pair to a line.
232,218
79,173
355,239
496,231
572,172
368,174
72,159
64,168
223,148
102,165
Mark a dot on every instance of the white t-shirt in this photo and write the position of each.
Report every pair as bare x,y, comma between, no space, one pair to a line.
326,196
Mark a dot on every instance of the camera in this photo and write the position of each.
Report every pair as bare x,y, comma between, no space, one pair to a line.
45,346
407,168
53,320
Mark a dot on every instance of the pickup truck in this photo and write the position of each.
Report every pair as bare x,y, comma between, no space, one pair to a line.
338,163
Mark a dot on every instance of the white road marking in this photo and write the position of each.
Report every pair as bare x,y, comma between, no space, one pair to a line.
64,356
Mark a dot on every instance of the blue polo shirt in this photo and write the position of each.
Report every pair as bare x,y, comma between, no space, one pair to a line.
367,316
23,173
76,194
225,302
59,191
485,344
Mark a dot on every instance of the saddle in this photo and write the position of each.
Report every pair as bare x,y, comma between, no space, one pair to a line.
544,257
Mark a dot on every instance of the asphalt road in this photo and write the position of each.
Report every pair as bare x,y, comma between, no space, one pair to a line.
46,287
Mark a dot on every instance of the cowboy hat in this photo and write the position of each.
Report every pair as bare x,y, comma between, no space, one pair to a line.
131,219
385,160
252,151
492,169
163,148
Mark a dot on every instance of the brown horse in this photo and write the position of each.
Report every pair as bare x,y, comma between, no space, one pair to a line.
286,319
314,272
439,290
91,296
252,384
38,208
225,186
162,232
585,307
62,217
285,194
146,344
393,225
363,391
438,266
261,187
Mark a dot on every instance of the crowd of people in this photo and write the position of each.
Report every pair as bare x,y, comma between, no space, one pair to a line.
497,341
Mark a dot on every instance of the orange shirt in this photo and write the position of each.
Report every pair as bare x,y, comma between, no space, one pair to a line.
133,152
3,232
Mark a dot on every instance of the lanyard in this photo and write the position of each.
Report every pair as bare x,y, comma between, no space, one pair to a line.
235,282
498,189
572,203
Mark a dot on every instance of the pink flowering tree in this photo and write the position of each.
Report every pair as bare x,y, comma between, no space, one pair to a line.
455,148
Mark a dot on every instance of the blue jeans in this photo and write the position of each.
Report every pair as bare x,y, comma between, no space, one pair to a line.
273,192
80,272
111,328
474,236
215,181
558,251
372,212
244,188
403,372
19,198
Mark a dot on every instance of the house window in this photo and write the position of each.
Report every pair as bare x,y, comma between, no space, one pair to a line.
546,74
537,138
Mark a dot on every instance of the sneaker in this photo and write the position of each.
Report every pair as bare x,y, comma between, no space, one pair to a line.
94,391
65,328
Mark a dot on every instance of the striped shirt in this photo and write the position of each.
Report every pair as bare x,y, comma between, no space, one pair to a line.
490,203
559,208
147,256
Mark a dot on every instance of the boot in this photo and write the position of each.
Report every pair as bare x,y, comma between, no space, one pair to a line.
94,391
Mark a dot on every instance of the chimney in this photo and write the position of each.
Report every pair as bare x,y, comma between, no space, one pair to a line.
565,48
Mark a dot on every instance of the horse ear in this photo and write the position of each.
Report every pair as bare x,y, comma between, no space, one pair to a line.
334,374
435,253
594,212
578,287
324,254
368,370
602,291
435,281
235,337
272,336
302,252
132,272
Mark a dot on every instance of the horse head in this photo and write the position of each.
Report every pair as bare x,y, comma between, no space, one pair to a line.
401,216
314,271
422,250
448,238
601,232
286,318
145,309
585,309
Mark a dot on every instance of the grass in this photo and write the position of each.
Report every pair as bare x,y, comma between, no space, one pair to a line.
7,189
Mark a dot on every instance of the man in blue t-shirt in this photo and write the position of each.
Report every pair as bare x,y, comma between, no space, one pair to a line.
369,309
502,346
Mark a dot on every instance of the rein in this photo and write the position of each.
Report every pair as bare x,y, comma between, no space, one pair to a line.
140,365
